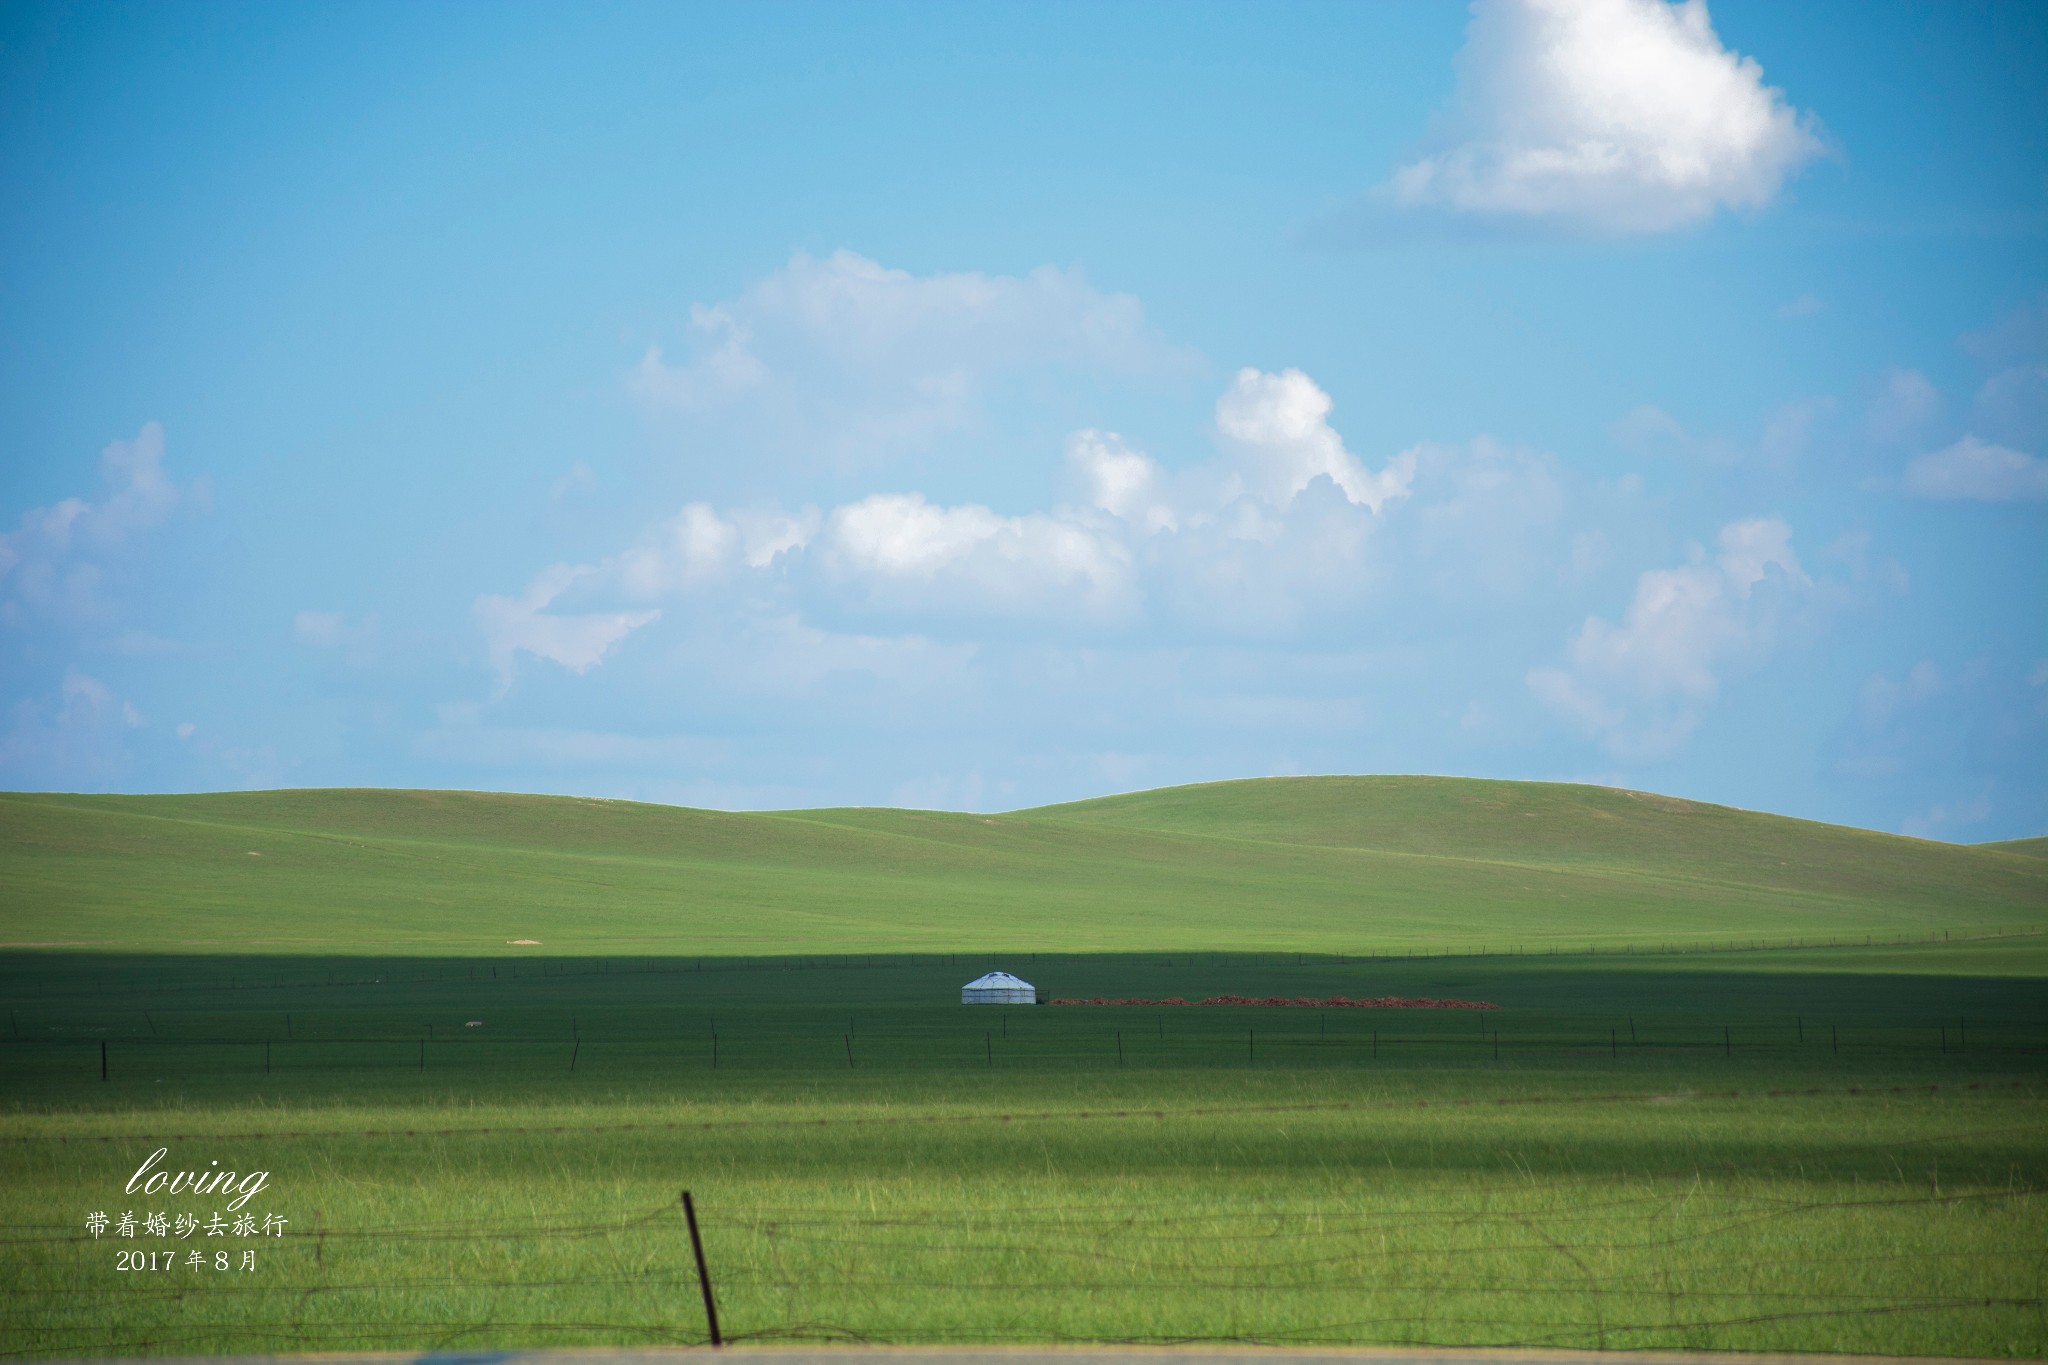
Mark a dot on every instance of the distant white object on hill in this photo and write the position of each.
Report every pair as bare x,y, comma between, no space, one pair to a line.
998,988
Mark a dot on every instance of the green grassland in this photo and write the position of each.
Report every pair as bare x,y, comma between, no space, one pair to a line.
1793,1101
1308,864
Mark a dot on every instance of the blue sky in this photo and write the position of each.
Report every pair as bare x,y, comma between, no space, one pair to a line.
985,405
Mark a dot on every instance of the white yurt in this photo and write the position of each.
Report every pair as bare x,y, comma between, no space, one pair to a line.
998,988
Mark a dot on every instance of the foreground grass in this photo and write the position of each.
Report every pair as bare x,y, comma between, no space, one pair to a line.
1789,1155
1172,1206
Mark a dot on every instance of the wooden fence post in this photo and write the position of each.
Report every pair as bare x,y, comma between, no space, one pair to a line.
703,1270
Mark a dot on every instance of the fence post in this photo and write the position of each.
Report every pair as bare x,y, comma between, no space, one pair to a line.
1251,1046
572,1053
1727,1047
847,1038
703,1271
103,1059
1119,1047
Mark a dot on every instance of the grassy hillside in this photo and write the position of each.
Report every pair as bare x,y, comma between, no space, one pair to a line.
1553,825
1308,864
2026,848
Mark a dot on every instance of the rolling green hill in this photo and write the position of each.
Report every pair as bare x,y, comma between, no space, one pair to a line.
1326,864
2029,848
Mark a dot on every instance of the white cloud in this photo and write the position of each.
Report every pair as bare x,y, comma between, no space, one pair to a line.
899,552
694,546
855,363
1128,484
1620,116
1241,542
1979,471
1278,427
578,642
1805,306
52,564
1642,686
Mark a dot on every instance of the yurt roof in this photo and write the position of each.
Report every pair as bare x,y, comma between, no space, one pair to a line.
997,981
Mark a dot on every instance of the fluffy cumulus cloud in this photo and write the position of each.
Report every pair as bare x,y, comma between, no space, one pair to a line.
1643,685
853,363
53,564
886,604
896,550
1247,540
1278,426
1616,116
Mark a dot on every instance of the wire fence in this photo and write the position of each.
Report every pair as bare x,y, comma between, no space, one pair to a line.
1099,1037
1535,1265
